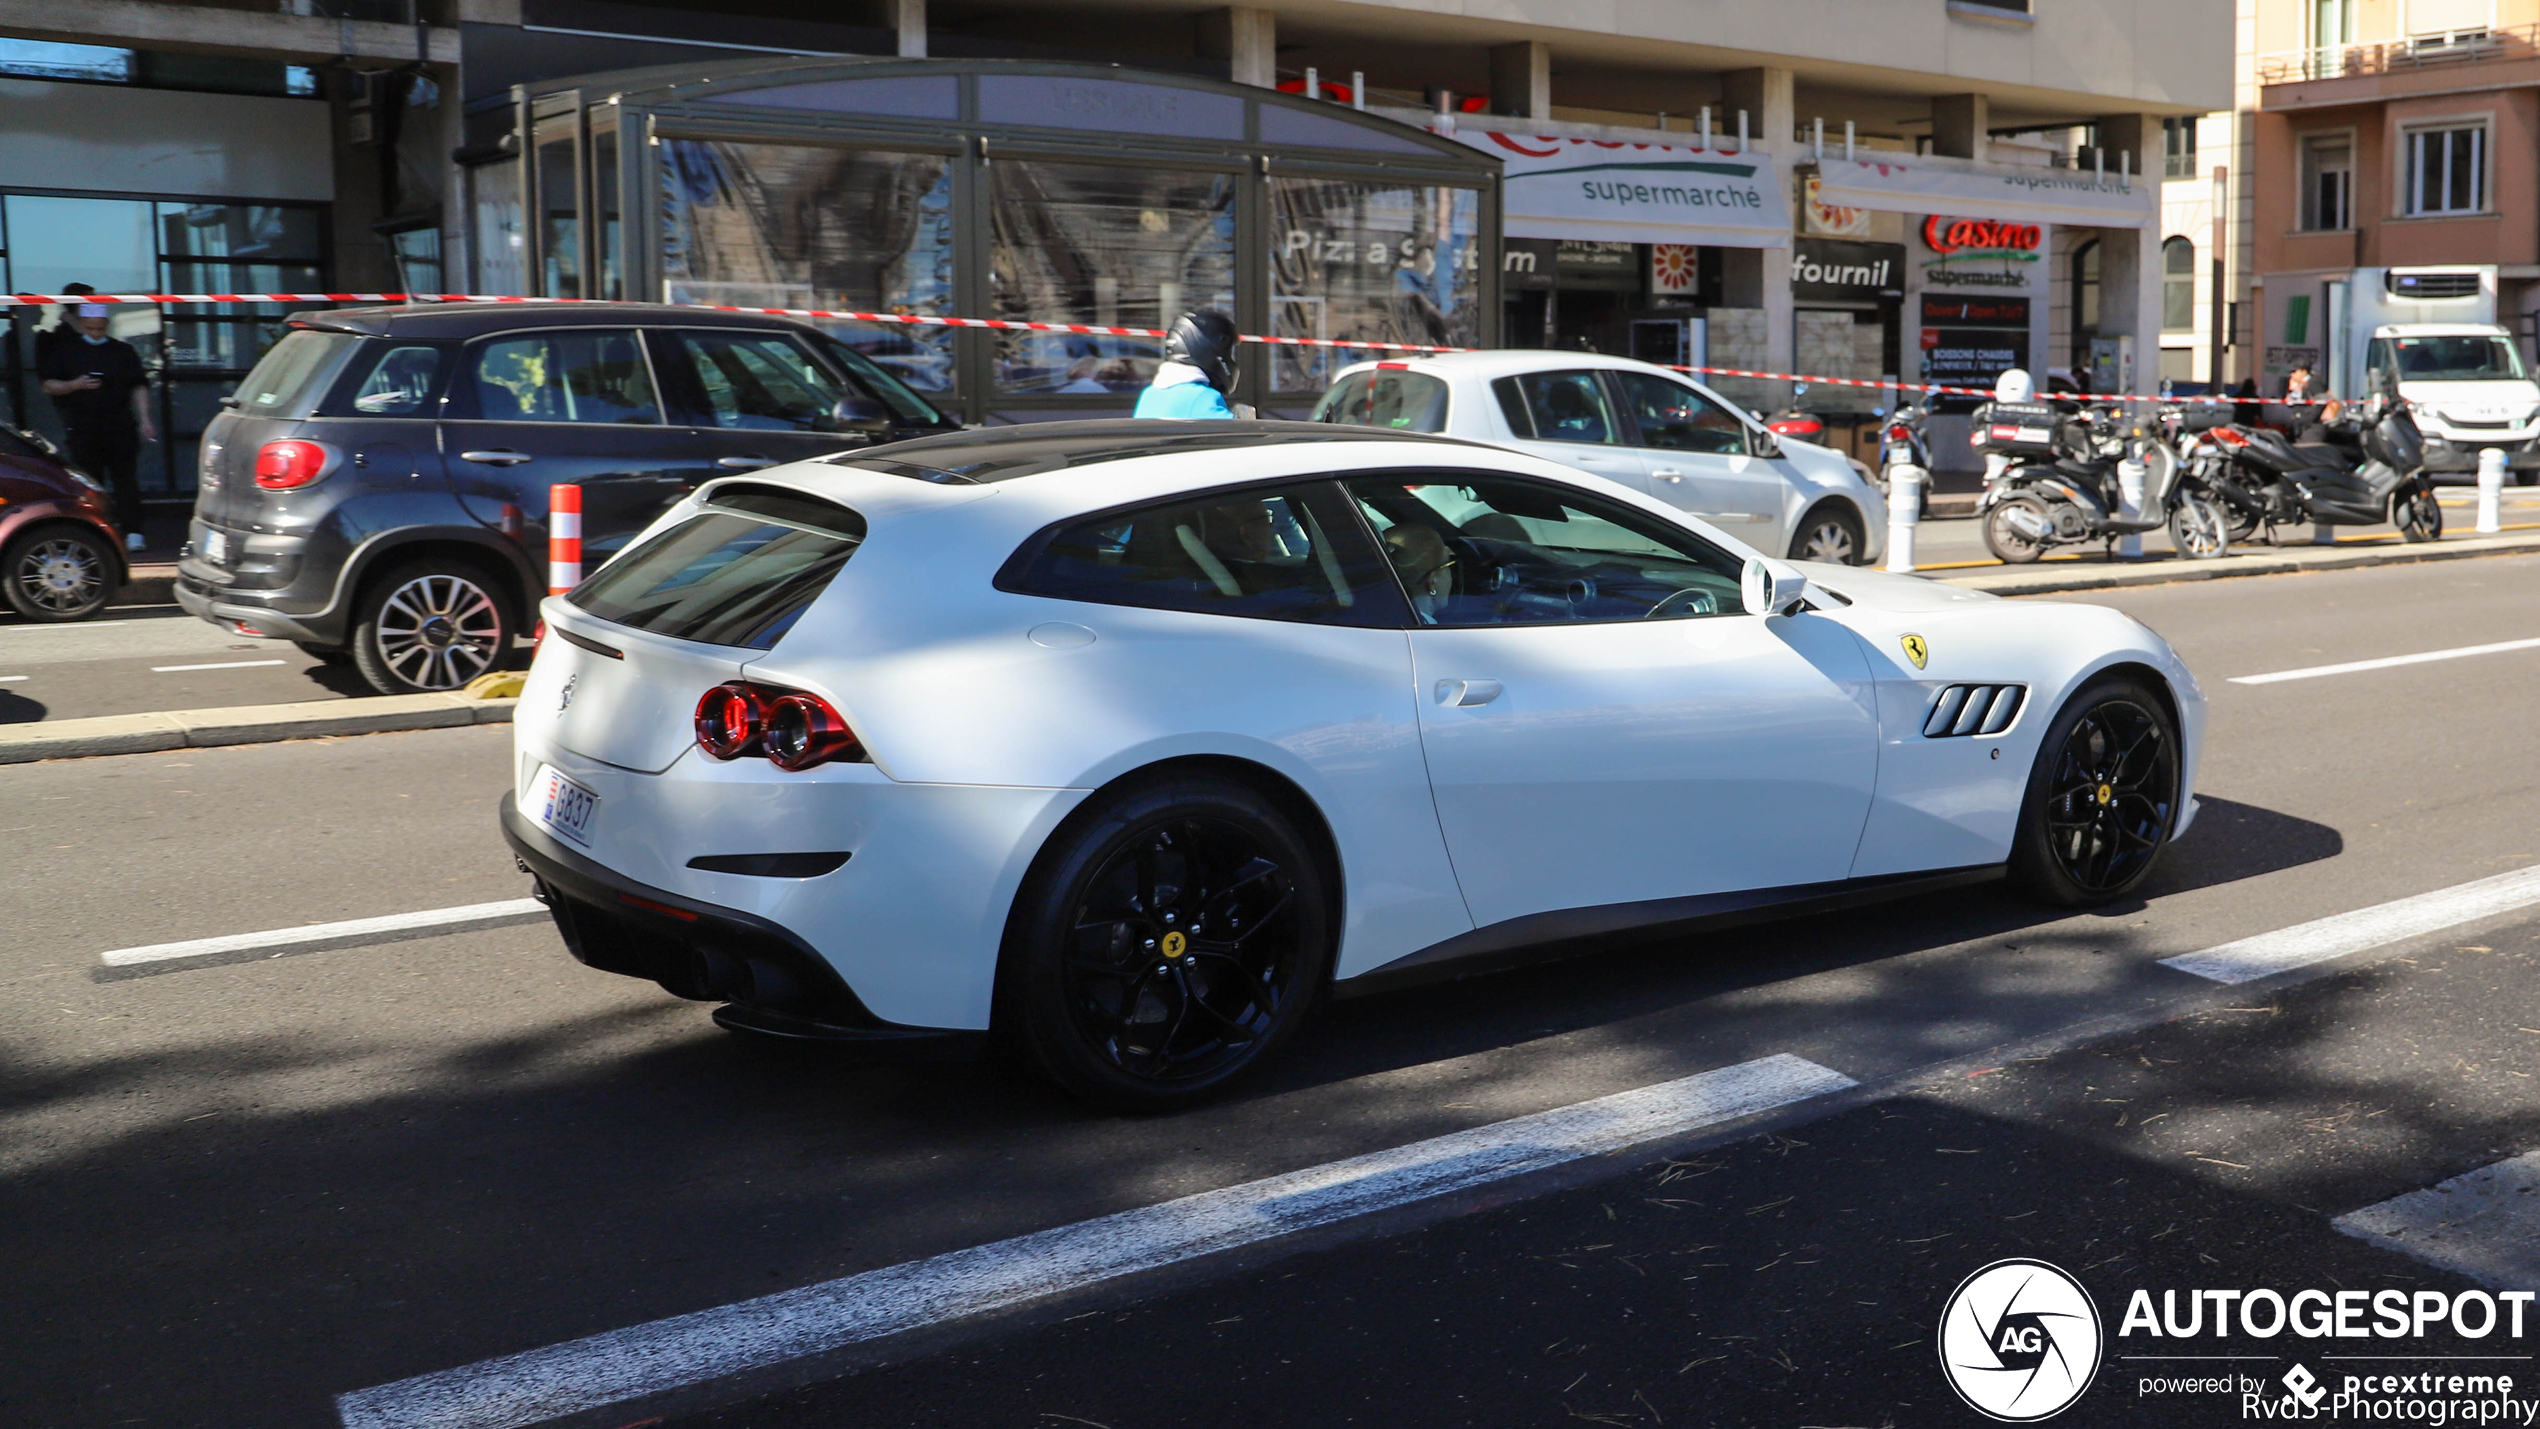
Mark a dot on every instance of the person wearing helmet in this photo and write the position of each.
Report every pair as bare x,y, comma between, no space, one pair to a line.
1198,370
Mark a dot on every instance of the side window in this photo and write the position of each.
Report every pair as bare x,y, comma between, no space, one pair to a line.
1674,416
1565,407
1484,550
400,384
592,375
1283,553
759,382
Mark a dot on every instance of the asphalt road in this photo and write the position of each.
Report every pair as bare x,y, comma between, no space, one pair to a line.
133,659
231,1193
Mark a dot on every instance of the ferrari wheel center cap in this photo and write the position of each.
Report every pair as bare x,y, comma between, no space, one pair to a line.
2106,794
1175,944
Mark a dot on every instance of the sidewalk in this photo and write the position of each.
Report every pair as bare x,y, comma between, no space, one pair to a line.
2094,572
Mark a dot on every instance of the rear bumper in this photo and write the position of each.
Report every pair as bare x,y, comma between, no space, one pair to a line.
222,607
774,980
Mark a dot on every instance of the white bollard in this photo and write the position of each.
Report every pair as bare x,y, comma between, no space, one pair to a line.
2130,477
2323,534
1904,513
2491,490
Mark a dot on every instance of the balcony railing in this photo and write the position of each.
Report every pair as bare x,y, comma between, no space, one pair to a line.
2452,47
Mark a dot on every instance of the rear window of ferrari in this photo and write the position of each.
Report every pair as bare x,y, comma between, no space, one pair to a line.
740,572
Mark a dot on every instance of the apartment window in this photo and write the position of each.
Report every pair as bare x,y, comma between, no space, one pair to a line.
2328,184
2178,147
2447,170
2178,285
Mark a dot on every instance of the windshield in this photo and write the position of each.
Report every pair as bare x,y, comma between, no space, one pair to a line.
740,572
1381,397
284,384
2467,358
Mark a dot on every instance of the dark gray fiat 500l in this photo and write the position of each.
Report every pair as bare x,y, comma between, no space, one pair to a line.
377,489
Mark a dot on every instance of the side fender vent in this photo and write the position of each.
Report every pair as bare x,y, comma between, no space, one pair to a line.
1974,709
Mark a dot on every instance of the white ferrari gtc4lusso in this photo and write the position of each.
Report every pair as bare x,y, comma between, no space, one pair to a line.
1127,741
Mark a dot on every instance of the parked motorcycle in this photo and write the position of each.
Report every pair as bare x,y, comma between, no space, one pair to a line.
2058,482
1902,442
2369,470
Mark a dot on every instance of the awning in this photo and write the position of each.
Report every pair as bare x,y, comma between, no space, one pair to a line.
1618,192
2028,195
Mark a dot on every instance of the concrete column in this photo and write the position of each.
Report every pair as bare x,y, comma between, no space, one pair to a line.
1770,99
1960,125
908,17
1247,39
1521,79
2130,259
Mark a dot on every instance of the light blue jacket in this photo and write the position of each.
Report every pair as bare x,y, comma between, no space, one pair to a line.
1184,401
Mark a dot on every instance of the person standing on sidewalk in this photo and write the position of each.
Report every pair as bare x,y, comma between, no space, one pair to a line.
102,390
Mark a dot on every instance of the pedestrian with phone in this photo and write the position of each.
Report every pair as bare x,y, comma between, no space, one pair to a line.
102,391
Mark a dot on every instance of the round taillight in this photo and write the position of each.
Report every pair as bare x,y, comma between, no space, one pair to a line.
730,720
282,465
804,730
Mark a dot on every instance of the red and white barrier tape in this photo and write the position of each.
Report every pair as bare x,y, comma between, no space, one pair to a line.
1009,325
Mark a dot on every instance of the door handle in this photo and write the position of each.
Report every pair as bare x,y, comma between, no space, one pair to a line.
497,457
1668,474
1465,694
745,463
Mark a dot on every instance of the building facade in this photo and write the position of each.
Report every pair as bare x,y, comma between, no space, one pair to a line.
2391,135
1872,189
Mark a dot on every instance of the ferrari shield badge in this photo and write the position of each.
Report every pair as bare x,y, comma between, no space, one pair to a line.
1916,650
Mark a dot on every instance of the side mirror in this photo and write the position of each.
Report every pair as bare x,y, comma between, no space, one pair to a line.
860,416
1771,588
1766,445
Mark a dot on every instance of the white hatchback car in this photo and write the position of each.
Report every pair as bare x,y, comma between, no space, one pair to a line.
1646,428
1130,739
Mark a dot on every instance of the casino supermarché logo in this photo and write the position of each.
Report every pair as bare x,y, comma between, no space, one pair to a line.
2019,1340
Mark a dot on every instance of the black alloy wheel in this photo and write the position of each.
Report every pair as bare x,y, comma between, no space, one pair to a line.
429,625
2418,516
1171,939
2102,798
1828,534
57,573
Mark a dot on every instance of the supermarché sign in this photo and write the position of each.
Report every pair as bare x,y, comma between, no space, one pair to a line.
1610,191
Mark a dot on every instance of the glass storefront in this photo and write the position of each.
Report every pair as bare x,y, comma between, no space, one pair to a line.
1013,190
197,352
1370,261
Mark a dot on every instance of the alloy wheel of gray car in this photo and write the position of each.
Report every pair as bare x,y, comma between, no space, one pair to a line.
430,628
1831,536
59,574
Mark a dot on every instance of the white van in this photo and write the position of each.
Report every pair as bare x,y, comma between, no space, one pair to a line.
2470,390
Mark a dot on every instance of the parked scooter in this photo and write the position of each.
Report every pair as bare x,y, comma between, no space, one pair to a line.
1902,442
2369,469
2062,479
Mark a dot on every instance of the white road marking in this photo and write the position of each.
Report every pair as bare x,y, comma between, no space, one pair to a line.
2485,1224
10,679
2384,663
350,930
620,1365
68,625
2306,943
227,665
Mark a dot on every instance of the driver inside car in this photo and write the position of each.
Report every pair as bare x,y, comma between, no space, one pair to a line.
1427,567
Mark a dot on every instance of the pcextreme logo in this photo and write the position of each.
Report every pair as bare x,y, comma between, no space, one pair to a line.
2019,1341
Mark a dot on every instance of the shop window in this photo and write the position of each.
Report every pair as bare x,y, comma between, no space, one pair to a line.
2447,170
497,242
2085,301
559,218
1369,262
759,225
418,255
2178,285
1106,246
2178,147
2328,183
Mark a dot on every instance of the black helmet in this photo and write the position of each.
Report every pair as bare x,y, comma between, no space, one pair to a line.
1206,340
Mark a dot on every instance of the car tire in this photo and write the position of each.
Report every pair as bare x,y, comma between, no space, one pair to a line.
430,625
58,572
2102,797
1829,533
1170,938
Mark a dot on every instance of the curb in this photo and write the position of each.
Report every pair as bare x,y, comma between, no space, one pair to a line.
2097,575
244,724
150,584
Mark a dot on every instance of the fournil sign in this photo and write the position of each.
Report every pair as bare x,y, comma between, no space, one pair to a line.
1557,187
1865,272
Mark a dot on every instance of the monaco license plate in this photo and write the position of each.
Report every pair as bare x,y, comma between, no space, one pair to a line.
216,546
561,805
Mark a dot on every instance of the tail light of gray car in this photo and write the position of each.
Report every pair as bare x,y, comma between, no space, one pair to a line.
293,463
791,729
